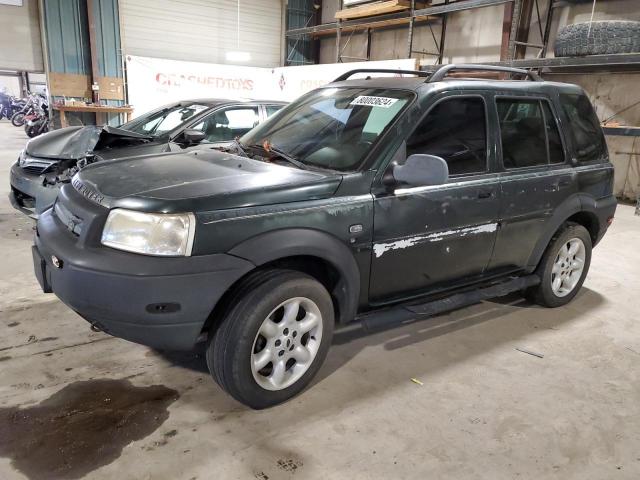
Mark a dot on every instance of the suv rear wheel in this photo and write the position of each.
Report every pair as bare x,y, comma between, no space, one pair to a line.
273,338
563,267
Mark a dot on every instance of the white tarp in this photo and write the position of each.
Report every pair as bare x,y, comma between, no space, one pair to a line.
153,82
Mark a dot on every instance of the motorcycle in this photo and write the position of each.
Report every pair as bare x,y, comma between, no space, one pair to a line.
31,105
10,105
37,122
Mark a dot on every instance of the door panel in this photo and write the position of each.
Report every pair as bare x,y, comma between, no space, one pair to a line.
528,202
436,236
537,179
431,237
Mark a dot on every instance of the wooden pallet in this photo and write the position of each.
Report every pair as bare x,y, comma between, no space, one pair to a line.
376,8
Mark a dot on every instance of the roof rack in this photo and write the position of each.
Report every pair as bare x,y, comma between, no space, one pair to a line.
442,72
348,74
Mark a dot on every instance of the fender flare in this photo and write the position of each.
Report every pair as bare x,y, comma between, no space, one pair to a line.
291,242
570,206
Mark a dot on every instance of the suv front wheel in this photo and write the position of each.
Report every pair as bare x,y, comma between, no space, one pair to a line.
273,338
563,267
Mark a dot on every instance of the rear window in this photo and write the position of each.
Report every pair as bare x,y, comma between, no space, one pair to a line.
584,128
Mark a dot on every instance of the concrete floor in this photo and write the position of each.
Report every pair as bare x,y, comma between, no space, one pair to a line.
484,410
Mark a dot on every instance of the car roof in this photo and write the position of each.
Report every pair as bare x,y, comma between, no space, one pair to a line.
214,102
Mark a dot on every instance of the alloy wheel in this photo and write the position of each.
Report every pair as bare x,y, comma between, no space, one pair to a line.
568,267
286,343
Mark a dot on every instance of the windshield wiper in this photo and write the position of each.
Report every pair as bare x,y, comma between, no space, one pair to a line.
281,154
239,147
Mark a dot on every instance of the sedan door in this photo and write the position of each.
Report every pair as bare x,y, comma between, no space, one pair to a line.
435,237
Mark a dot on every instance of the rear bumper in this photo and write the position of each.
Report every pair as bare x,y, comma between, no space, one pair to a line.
605,209
28,194
160,302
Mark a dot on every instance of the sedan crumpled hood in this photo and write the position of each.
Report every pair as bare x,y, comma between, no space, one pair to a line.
199,181
74,143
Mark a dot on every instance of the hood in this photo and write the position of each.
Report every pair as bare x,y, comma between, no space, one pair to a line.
74,143
199,181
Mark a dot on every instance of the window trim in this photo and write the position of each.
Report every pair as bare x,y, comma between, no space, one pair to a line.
539,99
449,95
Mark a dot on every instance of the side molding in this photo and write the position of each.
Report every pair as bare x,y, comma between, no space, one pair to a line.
279,244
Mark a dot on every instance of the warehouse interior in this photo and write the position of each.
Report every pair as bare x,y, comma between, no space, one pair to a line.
500,388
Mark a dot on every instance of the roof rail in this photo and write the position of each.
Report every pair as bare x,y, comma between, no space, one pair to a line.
348,74
442,72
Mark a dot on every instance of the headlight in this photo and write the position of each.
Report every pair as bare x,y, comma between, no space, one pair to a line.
150,233
21,158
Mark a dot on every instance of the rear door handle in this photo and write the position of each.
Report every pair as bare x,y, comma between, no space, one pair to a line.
485,194
564,183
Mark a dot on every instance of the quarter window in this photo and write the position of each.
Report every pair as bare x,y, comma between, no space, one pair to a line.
455,129
529,133
584,127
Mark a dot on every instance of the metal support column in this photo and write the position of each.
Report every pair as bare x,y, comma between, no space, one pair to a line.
410,34
443,33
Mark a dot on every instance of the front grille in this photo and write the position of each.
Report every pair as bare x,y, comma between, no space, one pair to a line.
35,169
71,221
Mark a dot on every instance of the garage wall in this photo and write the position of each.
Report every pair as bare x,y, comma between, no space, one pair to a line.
20,29
472,35
203,30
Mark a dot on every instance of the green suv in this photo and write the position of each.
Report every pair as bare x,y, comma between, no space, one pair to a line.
363,204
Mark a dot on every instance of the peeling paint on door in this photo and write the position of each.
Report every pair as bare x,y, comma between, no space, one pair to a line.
380,248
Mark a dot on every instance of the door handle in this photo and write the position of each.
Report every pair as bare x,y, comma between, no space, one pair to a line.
485,194
564,183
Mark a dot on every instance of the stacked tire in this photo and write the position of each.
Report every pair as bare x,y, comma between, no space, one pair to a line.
598,38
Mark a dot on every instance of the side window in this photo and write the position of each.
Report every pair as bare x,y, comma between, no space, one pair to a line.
556,153
225,125
584,127
271,109
455,129
522,130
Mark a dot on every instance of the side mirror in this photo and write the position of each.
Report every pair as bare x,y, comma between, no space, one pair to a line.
422,170
191,136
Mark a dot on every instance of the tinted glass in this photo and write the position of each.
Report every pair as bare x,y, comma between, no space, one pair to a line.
556,154
522,130
584,127
455,129
330,127
225,125
163,120
271,109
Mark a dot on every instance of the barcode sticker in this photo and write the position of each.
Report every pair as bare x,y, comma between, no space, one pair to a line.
368,101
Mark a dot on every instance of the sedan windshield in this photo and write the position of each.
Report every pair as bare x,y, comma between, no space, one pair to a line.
330,128
163,120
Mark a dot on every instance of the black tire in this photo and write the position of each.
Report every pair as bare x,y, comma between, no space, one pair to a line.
31,131
602,38
17,119
543,294
229,350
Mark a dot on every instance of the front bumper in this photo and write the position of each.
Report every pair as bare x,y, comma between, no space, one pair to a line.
28,194
155,301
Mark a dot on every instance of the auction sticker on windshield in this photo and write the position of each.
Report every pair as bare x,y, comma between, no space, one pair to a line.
369,101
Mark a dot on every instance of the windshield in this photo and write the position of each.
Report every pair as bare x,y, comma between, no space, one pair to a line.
331,127
160,121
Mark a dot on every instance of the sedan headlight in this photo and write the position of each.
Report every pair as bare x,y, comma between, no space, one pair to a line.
150,233
22,157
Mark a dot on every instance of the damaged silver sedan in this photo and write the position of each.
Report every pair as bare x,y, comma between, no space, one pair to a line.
50,160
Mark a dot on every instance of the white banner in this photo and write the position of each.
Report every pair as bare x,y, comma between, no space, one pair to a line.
154,82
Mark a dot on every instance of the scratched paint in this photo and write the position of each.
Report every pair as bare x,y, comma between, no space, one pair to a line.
380,248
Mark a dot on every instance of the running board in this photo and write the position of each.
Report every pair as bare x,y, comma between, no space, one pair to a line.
384,319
